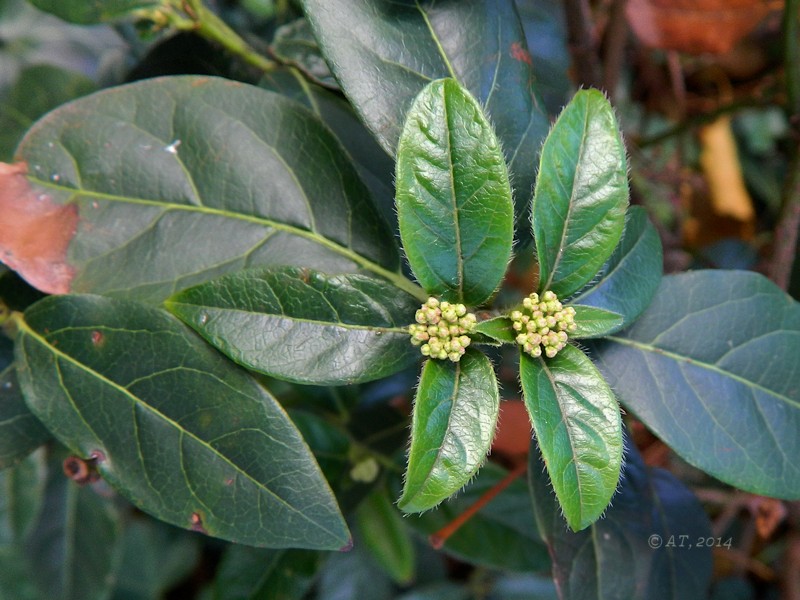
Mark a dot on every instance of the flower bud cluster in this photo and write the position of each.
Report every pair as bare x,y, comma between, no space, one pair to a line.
442,329
543,324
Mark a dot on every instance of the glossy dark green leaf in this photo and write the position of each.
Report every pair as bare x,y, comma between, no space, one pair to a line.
628,281
38,88
349,575
712,367
20,431
95,11
581,194
633,552
177,429
294,44
502,535
155,557
400,46
302,325
75,546
374,166
595,322
578,430
260,574
178,180
386,536
498,329
455,414
453,196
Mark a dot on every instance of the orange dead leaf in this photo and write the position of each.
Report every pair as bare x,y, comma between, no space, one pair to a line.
696,26
35,232
719,160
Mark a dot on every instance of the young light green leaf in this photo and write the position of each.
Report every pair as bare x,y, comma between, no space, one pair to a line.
20,431
578,430
227,176
453,196
478,42
386,536
581,194
712,367
594,322
182,433
619,557
629,279
455,414
499,329
302,325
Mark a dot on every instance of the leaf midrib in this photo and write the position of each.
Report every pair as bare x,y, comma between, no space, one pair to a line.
26,329
655,350
395,276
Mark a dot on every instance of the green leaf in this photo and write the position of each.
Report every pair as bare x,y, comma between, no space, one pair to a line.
226,176
20,431
453,196
502,535
711,368
629,279
577,424
304,326
155,558
294,44
385,535
581,194
21,496
350,575
374,166
499,329
178,430
96,11
595,322
38,89
399,47
455,414
74,548
617,557
259,574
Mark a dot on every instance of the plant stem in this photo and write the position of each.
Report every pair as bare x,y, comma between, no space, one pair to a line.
582,45
786,231
210,26
439,538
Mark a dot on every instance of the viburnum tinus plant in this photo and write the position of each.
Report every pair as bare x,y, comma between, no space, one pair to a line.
245,276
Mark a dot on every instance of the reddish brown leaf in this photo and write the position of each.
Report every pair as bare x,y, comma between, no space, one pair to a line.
695,26
35,232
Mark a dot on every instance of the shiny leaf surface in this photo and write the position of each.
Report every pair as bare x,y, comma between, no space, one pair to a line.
581,194
455,413
578,430
453,196
302,325
400,46
178,180
177,429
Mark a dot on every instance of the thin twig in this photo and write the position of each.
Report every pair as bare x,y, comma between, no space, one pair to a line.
615,39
